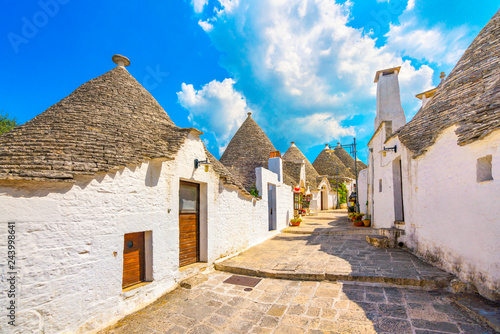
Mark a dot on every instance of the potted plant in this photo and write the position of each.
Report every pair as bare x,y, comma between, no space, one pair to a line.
296,221
366,221
357,219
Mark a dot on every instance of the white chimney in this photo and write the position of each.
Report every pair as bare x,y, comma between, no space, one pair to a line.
120,61
276,166
388,98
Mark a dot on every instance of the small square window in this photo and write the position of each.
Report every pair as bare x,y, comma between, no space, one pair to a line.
483,169
379,185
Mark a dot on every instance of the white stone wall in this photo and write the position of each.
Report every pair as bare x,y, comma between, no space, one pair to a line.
381,171
70,238
363,190
450,218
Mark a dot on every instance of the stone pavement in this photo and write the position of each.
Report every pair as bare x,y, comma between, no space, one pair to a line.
316,264
332,254
328,222
286,306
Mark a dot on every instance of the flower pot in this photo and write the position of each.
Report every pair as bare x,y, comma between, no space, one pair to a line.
358,223
366,222
295,224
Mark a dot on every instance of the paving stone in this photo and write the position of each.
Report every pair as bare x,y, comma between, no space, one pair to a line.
296,310
390,325
295,320
270,322
288,330
281,305
436,325
392,310
202,329
277,310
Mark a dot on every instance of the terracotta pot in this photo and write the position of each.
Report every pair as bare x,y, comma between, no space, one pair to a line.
358,223
295,224
366,222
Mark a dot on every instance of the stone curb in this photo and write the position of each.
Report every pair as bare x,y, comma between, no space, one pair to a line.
476,307
428,284
329,232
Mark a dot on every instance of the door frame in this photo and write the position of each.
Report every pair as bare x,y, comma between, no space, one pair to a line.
198,246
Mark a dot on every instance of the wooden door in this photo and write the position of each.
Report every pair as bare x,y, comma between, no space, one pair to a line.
133,259
189,223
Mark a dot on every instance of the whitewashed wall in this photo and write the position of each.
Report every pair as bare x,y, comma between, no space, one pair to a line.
453,219
450,218
70,238
363,190
382,208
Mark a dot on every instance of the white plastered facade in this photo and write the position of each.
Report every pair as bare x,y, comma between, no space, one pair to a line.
70,237
450,218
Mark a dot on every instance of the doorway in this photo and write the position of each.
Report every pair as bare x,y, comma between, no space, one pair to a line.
133,259
189,223
271,206
397,180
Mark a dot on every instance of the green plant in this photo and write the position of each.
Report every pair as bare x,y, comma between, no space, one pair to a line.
296,220
342,190
254,191
6,123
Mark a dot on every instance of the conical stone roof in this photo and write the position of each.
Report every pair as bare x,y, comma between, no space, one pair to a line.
249,148
107,122
468,98
327,163
348,160
293,154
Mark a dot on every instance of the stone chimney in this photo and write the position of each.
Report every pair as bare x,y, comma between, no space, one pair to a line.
389,99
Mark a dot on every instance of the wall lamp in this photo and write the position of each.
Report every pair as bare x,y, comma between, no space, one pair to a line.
205,162
395,149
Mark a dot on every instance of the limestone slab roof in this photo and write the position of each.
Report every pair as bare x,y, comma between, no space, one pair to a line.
468,98
327,163
224,173
106,123
348,160
291,173
249,148
293,154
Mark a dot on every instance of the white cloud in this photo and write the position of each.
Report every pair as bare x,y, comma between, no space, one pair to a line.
318,128
216,108
410,5
198,5
301,63
205,25
436,44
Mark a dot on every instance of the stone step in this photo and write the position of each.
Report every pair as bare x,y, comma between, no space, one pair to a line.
379,241
193,281
430,283
399,224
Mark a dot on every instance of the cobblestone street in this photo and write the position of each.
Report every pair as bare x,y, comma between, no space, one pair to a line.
320,278
286,306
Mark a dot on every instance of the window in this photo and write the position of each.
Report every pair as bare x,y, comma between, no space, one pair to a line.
483,169
379,185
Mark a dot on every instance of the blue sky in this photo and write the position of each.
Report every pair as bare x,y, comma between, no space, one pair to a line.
303,68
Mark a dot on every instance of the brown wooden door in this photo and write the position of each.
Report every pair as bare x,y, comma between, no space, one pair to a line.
189,223
133,259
